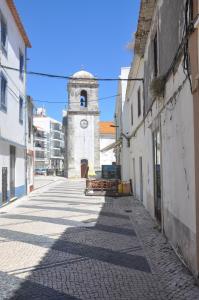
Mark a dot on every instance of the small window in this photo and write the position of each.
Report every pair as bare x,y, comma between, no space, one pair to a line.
21,110
3,34
3,99
21,64
83,99
131,114
191,10
128,143
139,103
29,128
155,53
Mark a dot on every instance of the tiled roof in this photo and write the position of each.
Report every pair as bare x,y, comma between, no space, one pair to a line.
18,22
105,127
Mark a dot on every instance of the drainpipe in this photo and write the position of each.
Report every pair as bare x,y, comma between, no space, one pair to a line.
25,120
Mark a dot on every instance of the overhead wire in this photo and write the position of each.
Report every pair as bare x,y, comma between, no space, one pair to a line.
55,76
65,102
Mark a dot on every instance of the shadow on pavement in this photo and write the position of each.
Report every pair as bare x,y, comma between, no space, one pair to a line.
104,261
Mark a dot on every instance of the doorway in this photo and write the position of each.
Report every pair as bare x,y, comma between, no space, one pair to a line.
4,184
141,179
12,171
157,173
84,168
134,178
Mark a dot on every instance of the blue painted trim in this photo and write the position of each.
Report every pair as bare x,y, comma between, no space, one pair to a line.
19,192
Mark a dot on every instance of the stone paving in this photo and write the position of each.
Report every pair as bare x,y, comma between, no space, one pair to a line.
60,244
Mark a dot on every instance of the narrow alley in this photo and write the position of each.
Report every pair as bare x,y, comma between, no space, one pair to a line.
60,244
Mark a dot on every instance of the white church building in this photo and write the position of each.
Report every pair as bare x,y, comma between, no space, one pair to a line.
82,127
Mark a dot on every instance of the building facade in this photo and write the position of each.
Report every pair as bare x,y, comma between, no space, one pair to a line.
121,122
160,132
107,139
13,164
82,143
48,142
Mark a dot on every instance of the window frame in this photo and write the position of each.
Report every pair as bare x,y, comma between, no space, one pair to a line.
21,110
155,55
139,102
3,106
21,68
132,114
4,24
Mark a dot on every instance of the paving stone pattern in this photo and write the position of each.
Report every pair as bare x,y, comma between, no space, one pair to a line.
60,244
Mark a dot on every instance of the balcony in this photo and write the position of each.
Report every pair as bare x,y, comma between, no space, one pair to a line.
39,145
56,153
40,135
56,136
56,144
56,127
40,155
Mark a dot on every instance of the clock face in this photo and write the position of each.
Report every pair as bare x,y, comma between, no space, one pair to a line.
84,123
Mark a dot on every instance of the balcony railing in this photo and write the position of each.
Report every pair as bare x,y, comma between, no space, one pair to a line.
39,145
56,136
56,153
56,127
40,155
40,135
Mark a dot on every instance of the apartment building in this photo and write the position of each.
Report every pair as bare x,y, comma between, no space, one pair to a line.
13,48
48,142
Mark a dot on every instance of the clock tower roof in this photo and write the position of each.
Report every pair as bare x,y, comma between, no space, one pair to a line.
83,74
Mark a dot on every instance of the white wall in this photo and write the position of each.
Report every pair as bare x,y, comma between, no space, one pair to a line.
177,159
10,127
108,157
12,132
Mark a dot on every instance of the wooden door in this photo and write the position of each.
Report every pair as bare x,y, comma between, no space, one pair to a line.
84,168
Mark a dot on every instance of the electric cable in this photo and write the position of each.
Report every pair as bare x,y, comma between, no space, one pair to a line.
68,77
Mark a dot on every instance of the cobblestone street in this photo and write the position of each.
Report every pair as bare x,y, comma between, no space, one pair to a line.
60,244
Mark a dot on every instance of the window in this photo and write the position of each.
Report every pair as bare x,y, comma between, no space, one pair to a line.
3,99
3,34
131,114
83,98
139,103
191,10
128,141
155,53
21,110
29,128
21,64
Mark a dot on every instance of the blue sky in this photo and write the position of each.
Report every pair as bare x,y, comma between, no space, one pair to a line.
66,34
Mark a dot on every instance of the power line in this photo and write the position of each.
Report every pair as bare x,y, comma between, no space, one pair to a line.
65,102
69,77
59,102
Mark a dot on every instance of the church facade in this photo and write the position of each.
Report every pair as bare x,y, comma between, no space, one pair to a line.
81,126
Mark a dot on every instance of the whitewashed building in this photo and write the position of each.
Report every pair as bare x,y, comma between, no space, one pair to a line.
13,45
121,123
161,127
107,141
48,142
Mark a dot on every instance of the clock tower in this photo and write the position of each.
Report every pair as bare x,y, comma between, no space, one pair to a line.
82,142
